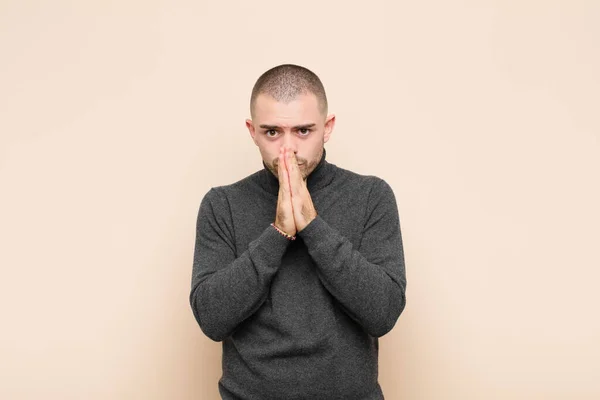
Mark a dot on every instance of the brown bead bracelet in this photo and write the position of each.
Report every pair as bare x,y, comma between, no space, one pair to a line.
290,237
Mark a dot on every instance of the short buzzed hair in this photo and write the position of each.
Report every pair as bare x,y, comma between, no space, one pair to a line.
286,82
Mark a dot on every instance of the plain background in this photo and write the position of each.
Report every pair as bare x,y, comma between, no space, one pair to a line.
116,117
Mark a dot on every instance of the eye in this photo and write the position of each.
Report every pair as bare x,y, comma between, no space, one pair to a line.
304,131
268,132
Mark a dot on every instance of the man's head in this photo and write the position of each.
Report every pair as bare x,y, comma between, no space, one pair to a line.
289,108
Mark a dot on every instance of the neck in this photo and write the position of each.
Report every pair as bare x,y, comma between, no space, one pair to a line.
320,177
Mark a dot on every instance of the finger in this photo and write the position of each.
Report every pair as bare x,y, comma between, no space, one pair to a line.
295,177
280,168
284,184
287,162
296,168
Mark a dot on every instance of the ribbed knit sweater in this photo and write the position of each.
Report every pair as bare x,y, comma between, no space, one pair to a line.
299,319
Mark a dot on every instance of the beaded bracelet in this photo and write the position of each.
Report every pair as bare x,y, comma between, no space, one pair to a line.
290,237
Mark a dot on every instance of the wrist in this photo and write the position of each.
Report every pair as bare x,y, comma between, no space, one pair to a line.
283,233
307,222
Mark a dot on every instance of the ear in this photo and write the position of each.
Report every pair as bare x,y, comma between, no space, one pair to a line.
329,124
250,127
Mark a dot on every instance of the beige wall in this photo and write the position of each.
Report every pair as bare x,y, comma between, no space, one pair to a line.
116,117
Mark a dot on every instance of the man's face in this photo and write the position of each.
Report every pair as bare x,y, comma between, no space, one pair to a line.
298,125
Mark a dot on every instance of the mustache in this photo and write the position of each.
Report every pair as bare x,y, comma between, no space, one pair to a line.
298,159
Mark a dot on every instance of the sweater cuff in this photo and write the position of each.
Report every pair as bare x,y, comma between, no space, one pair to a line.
273,241
317,232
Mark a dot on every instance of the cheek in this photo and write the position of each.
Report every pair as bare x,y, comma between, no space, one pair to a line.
269,151
272,156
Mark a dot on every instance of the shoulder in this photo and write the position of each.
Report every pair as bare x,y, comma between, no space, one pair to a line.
376,192
224,192
372,184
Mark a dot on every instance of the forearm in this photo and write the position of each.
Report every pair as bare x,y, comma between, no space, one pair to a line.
372,293
222,299
226,287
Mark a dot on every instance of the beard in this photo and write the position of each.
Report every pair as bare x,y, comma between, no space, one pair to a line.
306,167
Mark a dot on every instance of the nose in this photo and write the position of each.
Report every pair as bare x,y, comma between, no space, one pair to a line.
289,142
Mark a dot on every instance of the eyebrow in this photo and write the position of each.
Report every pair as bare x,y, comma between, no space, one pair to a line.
305,126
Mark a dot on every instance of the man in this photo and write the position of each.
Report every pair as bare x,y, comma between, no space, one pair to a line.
299,267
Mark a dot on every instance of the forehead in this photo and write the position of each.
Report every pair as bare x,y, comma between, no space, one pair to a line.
303,106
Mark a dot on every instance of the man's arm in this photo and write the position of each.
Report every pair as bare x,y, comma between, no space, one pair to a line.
370,281
226,290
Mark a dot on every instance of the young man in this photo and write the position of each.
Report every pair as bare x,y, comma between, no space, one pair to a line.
299,267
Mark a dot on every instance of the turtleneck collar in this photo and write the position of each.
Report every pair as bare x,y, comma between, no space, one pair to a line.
320,177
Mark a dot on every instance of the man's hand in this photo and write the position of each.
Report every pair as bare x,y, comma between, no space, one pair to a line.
302,205
284,217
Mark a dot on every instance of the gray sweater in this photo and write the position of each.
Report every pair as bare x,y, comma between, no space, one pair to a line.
299,319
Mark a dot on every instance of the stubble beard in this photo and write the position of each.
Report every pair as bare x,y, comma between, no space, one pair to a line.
305,169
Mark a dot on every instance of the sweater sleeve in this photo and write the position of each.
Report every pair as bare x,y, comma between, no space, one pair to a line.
226,290
369,281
